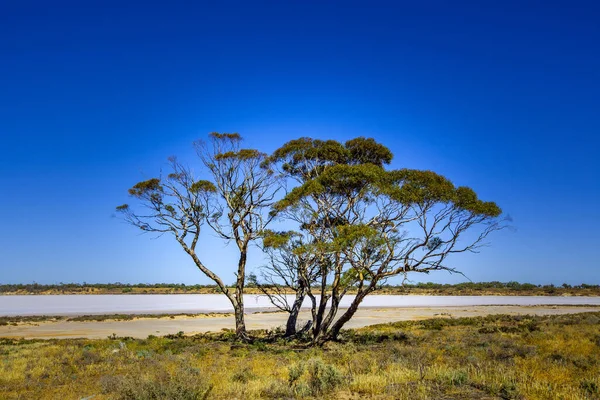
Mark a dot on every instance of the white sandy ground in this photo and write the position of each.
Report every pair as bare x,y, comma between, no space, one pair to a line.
142,327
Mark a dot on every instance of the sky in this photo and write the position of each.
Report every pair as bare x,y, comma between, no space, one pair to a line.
501,96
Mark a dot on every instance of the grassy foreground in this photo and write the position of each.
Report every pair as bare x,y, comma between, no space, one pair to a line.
494,357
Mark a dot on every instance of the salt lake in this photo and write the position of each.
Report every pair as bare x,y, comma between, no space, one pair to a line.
202,303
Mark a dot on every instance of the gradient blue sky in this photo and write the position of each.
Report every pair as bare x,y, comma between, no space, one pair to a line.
500,96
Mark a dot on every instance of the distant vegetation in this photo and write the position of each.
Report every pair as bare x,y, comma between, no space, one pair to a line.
465,289
493,357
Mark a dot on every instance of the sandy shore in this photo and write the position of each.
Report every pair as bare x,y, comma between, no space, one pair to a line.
142,327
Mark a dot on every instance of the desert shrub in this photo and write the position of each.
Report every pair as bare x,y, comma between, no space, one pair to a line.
322,378
436,324
584,363
590,387
88,357
259,345
243,376
505,350
520,328
509,391
376,337
277,390
185,384
144,353
453,378
178,335
295,372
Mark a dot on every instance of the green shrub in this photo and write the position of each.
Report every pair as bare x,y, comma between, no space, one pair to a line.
322,378
277,390
454,378
295,372
509,391
186,384
590,387
244,376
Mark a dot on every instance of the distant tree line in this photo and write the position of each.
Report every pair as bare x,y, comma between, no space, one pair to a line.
492,285
38,288
118,286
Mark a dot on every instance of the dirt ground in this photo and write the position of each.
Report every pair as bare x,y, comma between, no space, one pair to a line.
142,327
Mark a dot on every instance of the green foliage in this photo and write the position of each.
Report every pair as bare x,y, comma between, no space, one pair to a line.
123,207
356,169
276,240
346,179
367,151
295,372
203,186
243,376
176,176
454,378
297,154
349,235
590,387
322,378
410,186
467,199
226,136
300,156
434,243
145,187
242,154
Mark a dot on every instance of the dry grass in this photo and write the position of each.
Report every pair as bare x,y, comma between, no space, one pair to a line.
496,357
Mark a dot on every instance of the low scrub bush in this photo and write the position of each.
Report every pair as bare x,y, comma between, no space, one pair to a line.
321,378
186,384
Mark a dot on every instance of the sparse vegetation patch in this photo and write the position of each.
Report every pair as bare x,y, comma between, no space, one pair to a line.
494,357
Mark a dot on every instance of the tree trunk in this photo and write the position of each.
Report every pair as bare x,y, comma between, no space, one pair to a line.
319,315
240,325
321,334
236,299
345,317
290,327
335,304
313,307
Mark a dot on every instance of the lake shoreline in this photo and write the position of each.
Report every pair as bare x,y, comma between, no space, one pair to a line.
142,327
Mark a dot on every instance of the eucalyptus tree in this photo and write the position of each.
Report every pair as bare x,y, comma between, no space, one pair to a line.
234,203
362,224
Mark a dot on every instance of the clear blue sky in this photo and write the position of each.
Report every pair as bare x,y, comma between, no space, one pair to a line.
94,96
